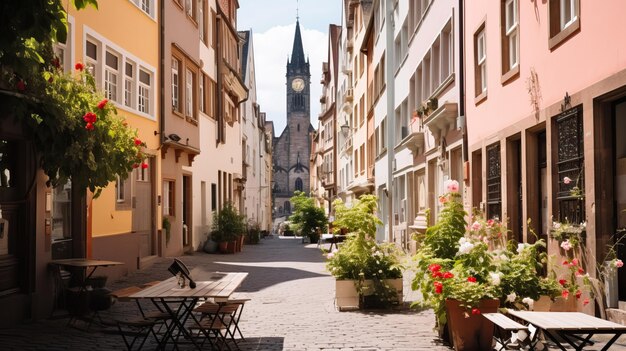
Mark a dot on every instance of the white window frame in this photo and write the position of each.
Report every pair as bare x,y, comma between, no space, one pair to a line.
511,32
202,97
92,64
146,6
566,19
144,91
111,77
176,63
129,84
119,190
481,57
189,98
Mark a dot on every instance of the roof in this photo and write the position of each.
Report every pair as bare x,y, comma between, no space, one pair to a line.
297,52
245,35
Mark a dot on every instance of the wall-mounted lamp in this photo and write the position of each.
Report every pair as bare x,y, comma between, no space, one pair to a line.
345,129
174,137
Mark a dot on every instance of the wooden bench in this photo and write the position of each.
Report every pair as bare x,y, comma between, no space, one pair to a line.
503,328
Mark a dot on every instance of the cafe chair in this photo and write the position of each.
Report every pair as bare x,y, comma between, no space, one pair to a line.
135,331
223,316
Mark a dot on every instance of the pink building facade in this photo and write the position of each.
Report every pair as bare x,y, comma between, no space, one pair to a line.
545,101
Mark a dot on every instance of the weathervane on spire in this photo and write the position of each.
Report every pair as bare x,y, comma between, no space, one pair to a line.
297,7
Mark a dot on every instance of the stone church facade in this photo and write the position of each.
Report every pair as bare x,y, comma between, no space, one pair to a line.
293,147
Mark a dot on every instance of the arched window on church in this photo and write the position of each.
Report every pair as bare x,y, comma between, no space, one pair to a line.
298,126
299,184
287,207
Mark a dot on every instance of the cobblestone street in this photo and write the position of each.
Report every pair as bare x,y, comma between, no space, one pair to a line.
291,308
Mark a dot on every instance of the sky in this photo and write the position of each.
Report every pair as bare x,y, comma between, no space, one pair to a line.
273,26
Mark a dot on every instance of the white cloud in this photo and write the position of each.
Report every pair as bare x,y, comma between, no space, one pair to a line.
272,48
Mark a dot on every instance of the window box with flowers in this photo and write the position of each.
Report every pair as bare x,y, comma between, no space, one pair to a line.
368,273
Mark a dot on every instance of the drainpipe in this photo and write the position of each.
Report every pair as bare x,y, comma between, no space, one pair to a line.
162,69
462,117
391,125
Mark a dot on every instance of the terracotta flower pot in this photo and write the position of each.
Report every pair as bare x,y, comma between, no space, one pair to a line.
471,332
223,246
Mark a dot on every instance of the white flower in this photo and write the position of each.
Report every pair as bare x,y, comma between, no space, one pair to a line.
465,248
511,297
504,257
380,271
529,302
566,245
521,247
556,225
495,278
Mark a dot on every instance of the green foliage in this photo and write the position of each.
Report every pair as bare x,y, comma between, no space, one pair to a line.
253,235
307,219
167,226
227,224
443,237
360,219
52,105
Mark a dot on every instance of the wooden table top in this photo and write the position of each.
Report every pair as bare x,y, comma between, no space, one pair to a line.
220,285
85,262
566,321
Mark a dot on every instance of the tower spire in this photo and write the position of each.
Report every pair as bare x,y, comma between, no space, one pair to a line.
297,10
297,53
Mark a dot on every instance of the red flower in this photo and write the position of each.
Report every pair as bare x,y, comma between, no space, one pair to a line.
79,66
90,117
490,222
20,85
580,272
136,165
578,293
438,287
448,275
56,62
565,263
562,282
437,275
433,267
475,311
137,142
471,279
585,302
565,294
89,126
102,103
144,165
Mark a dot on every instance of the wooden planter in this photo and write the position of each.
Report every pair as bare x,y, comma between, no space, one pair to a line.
347,297
473,333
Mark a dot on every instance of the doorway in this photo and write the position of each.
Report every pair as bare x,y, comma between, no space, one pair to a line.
186,211
143,214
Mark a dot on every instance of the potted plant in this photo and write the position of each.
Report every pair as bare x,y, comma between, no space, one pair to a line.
367,273
226,227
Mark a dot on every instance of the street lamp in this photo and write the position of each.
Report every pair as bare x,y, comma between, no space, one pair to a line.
345,128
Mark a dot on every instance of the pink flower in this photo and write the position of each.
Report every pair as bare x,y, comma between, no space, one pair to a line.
566,245
79,66
476,226
574,262
452,186
565,294
619,263
567,180
102,103
585,302
490,222
475,311
442,199
471,279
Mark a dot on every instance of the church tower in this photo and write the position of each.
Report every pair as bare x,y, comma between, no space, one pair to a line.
293,147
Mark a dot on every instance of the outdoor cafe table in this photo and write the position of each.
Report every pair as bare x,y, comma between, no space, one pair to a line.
574,328
88,266
180,302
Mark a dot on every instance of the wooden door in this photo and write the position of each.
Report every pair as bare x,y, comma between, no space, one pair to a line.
143,215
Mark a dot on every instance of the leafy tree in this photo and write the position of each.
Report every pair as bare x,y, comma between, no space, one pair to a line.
76,132
227,224
307,219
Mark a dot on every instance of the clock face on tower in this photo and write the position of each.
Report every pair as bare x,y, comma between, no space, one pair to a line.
297,84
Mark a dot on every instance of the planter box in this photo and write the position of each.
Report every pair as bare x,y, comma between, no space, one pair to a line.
347,298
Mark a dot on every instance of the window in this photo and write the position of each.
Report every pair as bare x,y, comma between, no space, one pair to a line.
176,65
494,191
212,98
298,184
111,76
61,212
91,58
146,6
62,51
510,38
168,197
202,92
480,59
189,98
213,197
144,91
129,86
120,195
564,20
570,164
190,8
202,21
